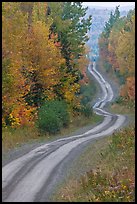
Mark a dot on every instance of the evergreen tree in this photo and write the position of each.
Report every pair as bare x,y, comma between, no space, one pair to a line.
74,34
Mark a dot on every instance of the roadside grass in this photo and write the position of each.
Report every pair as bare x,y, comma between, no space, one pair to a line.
121,109
119,106
81,122
124,108
109,171
14,138
111,74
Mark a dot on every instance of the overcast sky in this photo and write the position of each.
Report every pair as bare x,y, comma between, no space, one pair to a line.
109,4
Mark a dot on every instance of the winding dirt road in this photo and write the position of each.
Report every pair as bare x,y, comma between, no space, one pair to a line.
31,177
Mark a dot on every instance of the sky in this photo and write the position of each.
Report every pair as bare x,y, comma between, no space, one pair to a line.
109,4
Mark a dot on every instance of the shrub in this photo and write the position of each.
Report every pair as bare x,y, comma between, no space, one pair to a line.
87,92
52,116
85,100
121,78
86,110
107,66
119,100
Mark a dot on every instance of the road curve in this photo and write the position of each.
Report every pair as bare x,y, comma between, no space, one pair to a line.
26,178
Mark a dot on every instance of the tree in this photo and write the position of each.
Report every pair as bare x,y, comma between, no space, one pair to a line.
113,42
35,64
104,40
117,50
27,61
71,28
125,53
14,85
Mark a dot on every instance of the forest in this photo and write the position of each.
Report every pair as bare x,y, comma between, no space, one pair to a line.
117,51
99,17
43,61
68,103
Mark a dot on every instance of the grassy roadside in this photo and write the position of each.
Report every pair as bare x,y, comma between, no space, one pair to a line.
12,138
123,108
109,166
118,106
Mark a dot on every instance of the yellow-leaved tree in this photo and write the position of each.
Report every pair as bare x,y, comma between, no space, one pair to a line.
14,85
31,61
126,56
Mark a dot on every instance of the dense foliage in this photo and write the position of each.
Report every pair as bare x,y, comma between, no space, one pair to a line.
117,51
52,116
42,43
99,17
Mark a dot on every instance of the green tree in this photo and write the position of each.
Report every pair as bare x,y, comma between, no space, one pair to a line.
71,27
104,39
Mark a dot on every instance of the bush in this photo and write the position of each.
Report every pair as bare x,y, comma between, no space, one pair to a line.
119,100
107,66
87,92
86,111
121,78
52,116
84,100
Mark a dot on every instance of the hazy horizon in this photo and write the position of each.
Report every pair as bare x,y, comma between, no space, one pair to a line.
109,4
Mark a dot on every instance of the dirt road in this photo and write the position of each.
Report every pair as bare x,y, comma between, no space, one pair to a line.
33,176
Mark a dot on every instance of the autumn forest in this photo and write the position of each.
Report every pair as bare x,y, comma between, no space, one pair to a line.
44,61
117,51
68,102
43,46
